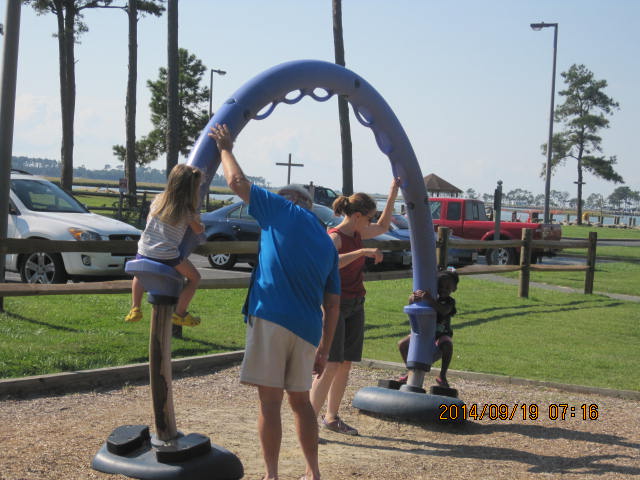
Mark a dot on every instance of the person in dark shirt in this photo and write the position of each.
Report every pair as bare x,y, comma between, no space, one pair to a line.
358,210
445,307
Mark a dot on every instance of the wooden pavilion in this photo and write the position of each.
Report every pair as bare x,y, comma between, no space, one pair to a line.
438,187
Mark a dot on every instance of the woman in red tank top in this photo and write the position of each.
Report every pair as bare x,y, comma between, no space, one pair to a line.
358,210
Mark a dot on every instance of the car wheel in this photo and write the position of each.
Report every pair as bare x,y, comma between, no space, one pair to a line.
43,267
501,256
223,261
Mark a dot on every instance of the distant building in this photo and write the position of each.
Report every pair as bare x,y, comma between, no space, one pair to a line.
437,187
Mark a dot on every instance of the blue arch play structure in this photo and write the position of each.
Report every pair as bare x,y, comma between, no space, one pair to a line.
288,83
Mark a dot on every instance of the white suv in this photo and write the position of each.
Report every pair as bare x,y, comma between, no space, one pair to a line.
41,209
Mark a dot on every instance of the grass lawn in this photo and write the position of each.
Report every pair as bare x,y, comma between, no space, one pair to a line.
553,336
580,231
631,252
573,338
610,277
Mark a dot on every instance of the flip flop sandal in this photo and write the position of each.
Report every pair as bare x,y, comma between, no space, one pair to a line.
442,383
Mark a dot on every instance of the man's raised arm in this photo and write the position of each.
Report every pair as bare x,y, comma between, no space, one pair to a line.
233,174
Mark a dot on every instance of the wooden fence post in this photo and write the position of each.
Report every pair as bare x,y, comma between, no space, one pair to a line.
160,372
591,263
525,263
442,246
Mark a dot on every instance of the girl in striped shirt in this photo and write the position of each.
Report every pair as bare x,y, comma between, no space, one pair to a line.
170,214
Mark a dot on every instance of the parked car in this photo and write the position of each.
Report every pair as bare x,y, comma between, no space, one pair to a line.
230,223
468,219
456,257
322,195
39,209
233,222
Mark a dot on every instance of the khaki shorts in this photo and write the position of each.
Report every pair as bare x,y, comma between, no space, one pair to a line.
276,357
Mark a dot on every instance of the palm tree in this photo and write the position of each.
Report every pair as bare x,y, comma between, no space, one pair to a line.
70,26
173,120
343,106
153,7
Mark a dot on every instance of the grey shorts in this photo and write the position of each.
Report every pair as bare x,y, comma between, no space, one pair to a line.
349,336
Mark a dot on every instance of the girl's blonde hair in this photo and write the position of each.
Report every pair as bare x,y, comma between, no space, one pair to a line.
358,202
181,197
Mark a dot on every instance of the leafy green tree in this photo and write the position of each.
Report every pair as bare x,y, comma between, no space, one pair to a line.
595,201
69,15
471,193
520,197
623,197
559,199
192,111
582,115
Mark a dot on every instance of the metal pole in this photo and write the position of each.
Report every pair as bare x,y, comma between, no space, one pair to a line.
547,187
497,210
547,180
211,93
7,114
212,71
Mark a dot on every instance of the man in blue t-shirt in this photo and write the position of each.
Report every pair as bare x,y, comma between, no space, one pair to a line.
292,310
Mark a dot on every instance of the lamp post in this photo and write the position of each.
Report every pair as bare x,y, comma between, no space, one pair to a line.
547,180
219,72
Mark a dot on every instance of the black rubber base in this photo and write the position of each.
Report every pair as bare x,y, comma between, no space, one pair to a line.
131,451
392,384
444,391
419,407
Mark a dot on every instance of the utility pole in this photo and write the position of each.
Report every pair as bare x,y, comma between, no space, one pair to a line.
289,165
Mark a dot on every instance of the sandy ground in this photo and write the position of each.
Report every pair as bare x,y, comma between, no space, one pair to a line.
57,437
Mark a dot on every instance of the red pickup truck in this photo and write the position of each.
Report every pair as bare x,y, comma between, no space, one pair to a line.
467,218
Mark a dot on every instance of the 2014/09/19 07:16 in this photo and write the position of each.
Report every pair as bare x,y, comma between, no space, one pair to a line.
503,411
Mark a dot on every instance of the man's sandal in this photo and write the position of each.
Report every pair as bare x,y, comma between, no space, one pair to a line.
134,315
187,320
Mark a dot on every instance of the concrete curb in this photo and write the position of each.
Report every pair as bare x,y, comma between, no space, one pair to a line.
69,382
82,380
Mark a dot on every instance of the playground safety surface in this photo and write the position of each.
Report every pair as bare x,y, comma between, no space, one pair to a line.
56,437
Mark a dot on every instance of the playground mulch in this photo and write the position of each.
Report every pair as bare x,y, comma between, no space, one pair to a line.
49,438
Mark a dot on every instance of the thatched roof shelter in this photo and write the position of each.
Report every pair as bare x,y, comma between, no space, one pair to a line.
437,187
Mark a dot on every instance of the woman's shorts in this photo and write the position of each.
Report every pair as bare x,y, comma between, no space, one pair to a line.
276,357
349,336
171,262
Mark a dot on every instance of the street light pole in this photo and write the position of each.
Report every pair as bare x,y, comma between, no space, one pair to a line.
547,180
219,72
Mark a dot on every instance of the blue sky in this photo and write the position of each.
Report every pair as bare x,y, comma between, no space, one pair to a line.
469,81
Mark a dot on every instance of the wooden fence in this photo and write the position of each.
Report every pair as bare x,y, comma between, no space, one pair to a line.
526,245
124,247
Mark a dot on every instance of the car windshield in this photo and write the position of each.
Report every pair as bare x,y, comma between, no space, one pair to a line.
399,221
42,196
326,216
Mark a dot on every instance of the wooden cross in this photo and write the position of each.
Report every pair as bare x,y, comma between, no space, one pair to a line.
289,165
